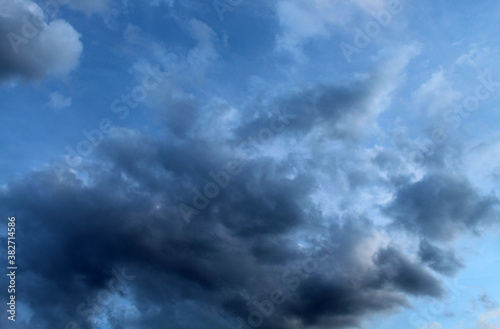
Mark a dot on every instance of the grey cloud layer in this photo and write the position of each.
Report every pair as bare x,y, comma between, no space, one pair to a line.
245,243
295,195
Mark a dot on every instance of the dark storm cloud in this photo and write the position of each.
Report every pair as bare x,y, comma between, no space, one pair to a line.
339,304
286,210
397,270
121,210
274,251
30,46
442,261
440,206
89,230
84,231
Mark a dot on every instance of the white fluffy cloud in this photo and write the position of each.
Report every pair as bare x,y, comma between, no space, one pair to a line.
34,46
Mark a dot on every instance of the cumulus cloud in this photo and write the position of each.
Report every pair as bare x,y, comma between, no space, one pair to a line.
34,46
238,252
269,231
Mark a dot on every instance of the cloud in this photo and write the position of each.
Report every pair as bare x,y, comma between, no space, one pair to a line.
34,47
485,302
440,206
186,74
301,21
436,95
58,101
481,160
125,214
405,274
445,262
489,320
344,111
476,56
295,194
217,261
433,325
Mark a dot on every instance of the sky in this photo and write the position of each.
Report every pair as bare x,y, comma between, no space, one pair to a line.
274,164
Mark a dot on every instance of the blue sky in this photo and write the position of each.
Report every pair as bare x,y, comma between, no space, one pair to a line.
208,147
